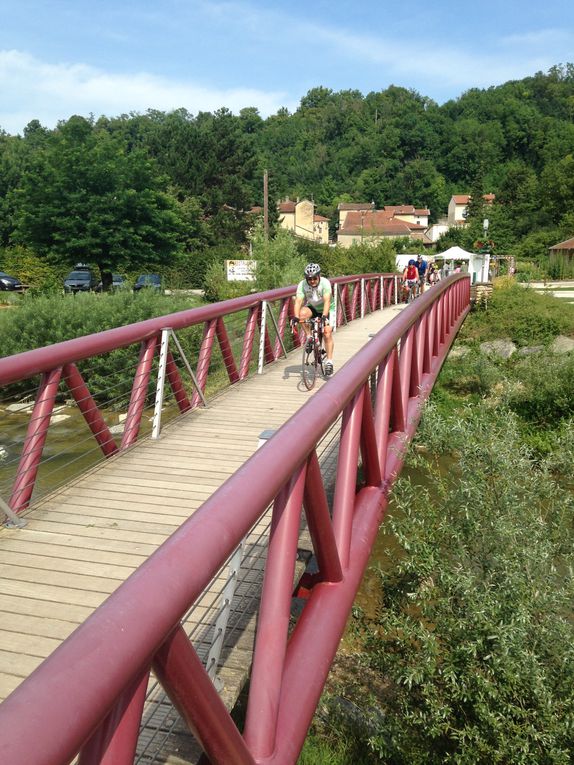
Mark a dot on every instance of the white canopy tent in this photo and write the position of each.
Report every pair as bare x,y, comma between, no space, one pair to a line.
478,262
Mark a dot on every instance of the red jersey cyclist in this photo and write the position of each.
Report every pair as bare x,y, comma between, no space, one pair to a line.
411,276
314,297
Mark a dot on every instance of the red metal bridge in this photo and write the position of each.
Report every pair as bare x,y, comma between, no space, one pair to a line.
324,474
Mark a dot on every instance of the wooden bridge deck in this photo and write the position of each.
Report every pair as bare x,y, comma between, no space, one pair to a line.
81,542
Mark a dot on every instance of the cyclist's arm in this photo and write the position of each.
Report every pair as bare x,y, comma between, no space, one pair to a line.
326,304
297,307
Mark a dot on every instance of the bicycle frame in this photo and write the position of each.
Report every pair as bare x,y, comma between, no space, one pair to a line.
312,360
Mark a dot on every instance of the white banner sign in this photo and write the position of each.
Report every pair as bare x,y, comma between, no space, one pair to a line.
240,270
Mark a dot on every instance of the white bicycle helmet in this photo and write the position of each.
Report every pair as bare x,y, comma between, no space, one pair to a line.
312,269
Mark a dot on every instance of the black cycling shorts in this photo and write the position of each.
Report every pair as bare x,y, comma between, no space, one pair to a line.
314,312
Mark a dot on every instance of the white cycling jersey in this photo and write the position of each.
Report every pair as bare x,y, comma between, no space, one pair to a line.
316,295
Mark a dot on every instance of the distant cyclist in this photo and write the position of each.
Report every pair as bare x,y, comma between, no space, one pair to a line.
411,277
314,297
433,274
422,266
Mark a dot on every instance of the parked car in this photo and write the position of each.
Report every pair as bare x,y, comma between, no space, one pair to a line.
82,279
118,283
10,283
148,281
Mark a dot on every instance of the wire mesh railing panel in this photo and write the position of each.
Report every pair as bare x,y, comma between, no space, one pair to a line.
161,722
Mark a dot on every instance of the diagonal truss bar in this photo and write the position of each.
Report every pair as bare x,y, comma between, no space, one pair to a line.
139,392
347,464
383,404
248,340
185,404
319,523
89,409
414,380
35,440
183,676
274,614
405,363
204,359
280,327
226,352
355,299
398,414
369,454
175,382
115,740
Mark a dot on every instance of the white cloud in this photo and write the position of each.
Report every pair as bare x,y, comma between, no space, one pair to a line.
33,89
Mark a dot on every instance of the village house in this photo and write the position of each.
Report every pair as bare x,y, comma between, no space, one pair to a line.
372,226
458,208
343,208
300,218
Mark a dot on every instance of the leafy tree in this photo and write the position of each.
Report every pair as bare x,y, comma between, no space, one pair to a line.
278,262
83,197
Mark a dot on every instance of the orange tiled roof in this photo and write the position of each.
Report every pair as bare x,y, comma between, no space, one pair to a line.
464,199
378,222
406,210
286,207
567,245
319,218
355,206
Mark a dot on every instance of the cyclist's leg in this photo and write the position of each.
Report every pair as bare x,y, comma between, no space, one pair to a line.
305,314
329,342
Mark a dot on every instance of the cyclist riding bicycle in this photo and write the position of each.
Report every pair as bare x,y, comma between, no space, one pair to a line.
411,276
422,266
433,274
314,298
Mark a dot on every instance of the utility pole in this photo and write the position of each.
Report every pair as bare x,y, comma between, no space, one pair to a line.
266,204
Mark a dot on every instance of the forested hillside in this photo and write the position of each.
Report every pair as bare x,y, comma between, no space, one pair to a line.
165,188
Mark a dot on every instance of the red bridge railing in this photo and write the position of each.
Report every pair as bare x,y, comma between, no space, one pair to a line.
59,365
87,697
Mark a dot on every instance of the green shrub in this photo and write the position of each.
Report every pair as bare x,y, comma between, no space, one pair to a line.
545,395
471,375
474,636
31,270
521,314
43,320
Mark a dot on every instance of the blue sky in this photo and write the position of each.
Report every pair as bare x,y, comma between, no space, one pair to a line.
113,57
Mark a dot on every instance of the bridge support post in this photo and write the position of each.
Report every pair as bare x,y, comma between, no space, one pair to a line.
336,301
156,426
262,337
167,369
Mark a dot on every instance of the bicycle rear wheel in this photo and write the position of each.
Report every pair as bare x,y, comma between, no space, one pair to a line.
308,368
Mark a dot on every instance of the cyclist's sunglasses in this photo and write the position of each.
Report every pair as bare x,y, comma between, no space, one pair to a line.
313,278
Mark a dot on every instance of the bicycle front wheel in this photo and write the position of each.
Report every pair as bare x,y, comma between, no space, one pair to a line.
308,368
